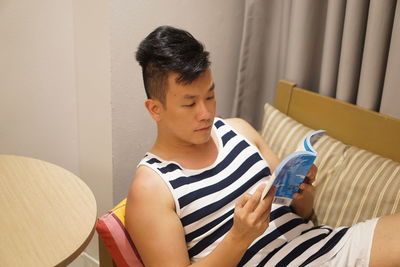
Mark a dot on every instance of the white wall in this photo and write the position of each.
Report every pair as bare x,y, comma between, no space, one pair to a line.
37,74
217,24
92,76
71,92
55,101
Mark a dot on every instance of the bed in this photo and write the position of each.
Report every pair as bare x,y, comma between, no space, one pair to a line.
358,161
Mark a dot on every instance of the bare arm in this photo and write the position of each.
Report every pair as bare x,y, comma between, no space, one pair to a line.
152,222
302,202
157,232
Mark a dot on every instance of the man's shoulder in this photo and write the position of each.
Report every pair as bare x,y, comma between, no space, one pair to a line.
244,128
239,124
147,184
146,177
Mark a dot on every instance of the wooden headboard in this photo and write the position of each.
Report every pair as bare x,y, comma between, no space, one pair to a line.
346,122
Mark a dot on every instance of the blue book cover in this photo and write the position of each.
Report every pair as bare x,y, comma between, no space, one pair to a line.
291,171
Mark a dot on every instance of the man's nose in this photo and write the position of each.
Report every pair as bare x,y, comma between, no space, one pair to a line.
203,112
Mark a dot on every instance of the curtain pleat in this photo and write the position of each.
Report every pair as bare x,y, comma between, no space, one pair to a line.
352,50
263,50
332,46
391,89
348,49
305,42
376,48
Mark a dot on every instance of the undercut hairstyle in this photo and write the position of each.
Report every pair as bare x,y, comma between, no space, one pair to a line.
165,50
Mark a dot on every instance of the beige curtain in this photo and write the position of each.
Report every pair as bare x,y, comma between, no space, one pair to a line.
348,49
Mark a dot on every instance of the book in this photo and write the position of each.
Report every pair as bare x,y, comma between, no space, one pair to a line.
292,170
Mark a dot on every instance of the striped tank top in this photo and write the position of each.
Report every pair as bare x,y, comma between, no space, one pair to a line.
205,200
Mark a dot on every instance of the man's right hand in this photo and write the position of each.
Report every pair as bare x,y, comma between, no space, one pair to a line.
251,217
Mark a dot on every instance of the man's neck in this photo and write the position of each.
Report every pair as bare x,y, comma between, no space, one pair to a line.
191,156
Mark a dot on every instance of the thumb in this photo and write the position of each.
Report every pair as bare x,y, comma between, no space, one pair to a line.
270,195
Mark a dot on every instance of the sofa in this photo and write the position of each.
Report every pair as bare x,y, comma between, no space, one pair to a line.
358,161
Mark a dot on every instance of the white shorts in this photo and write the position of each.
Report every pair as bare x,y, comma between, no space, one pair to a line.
357,250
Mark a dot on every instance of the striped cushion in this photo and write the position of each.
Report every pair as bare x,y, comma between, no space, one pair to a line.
111,230
352,184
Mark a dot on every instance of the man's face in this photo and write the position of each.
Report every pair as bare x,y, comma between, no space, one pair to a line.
189,109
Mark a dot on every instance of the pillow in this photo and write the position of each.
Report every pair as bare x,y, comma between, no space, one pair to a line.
111,230
364,185
352,184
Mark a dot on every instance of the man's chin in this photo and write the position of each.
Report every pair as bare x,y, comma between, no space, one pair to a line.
202,141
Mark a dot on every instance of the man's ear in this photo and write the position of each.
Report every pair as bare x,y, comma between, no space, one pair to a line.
154,107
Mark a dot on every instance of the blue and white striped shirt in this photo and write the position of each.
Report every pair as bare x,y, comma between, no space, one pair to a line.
205,201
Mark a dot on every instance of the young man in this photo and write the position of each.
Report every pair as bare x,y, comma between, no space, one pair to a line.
195,197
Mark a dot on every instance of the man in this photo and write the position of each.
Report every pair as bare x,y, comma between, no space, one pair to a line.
195,198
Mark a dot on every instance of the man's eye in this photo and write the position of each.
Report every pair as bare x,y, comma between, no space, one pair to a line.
210,97
190,105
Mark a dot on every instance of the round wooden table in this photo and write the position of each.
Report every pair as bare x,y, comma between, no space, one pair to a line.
47,214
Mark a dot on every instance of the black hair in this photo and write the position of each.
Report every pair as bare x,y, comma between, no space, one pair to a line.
168,49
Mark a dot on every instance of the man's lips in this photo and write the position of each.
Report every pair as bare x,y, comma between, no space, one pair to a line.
203,129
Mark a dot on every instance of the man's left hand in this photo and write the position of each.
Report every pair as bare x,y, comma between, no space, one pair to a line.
303,200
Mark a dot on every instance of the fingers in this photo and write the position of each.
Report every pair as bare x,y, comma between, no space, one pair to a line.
311,175
251,216
254,199
304,189
303,201
253,202
257,210
270,195
242,201
265,205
